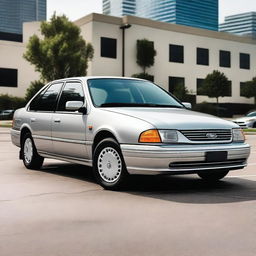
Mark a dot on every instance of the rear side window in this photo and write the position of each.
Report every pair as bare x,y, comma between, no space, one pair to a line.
47,99
73,91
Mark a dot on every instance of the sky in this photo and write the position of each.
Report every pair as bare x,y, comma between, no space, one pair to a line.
76,9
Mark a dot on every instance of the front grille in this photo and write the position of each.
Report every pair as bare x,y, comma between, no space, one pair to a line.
207,135
202,165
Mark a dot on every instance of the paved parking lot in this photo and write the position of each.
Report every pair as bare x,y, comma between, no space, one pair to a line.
60,210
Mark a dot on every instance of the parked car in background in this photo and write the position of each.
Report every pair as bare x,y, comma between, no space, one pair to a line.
248,121
123,126
6,114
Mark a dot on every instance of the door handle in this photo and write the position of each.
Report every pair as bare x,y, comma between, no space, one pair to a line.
56,120
32,119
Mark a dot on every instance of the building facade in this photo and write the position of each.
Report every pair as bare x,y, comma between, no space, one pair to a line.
243,24
185,55
14,13
195,13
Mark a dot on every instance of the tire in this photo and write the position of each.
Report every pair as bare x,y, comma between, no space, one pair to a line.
254,125
108,165
212,176
29,154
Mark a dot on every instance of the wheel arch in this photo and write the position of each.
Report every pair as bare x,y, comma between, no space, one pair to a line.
24,130
101,135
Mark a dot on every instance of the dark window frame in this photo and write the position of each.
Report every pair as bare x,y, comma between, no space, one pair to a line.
225,59
8,77
202,56
176,53
171,89
106,43
245,61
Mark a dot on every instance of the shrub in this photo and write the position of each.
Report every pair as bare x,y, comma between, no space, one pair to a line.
34,87
145,76
11,102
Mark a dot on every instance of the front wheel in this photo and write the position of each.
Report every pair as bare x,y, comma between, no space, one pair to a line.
213,176
108,165
30,157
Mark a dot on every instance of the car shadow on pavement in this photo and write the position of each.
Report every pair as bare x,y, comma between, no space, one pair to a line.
179,188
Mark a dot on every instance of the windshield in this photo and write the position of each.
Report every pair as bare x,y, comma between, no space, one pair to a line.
117,92
252,114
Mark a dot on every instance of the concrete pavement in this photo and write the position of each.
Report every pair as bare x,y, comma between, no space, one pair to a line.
60,210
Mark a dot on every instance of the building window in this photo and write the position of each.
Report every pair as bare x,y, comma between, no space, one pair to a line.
200,86
108,47
242,84
175,82
202,56
176,53
8,77
244,61
225,59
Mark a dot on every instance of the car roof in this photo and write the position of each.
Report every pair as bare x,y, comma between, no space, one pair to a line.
85,78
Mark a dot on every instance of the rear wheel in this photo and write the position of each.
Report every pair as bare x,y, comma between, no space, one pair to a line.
29,154
108,165
254,125
213,176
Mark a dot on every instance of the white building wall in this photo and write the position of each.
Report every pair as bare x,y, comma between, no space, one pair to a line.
95,26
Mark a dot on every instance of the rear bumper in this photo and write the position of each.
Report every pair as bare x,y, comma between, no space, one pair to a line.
144,159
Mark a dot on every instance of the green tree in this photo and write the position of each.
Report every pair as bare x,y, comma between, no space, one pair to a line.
61,53
145,54
34,87
248,89
216,85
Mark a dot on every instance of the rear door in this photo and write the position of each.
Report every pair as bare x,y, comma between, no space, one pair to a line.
69,127
40,117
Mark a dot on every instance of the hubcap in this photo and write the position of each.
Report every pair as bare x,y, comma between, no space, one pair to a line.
109,164
28,150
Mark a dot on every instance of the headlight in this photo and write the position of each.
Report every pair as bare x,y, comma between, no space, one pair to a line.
158,136
238,135
250,120
168,136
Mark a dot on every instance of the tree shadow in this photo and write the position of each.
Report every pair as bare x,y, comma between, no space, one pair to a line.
188,189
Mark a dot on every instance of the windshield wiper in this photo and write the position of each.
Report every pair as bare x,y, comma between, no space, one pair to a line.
120,104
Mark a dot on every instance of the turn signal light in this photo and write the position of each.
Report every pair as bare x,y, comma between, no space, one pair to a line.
150,136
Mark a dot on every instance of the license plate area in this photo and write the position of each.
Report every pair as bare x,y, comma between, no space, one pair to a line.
216,156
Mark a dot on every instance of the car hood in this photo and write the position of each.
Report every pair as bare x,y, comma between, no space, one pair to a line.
175,118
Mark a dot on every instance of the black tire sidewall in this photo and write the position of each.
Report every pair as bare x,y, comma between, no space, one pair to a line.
36,161
213,176
119,183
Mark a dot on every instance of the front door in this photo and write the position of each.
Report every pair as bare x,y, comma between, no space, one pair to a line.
69,127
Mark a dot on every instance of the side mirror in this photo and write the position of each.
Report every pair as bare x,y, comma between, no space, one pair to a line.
187,105
73,105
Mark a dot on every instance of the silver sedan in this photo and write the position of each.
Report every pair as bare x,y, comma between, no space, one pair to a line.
123,126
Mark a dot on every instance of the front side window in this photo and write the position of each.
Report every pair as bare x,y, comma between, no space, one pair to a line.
108,92
47,99
202,56
72,91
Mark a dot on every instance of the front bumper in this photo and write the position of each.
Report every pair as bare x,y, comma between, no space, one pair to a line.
146,159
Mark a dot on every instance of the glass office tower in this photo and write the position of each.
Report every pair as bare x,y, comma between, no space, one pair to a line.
14,12
195,13
119,7
240,24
